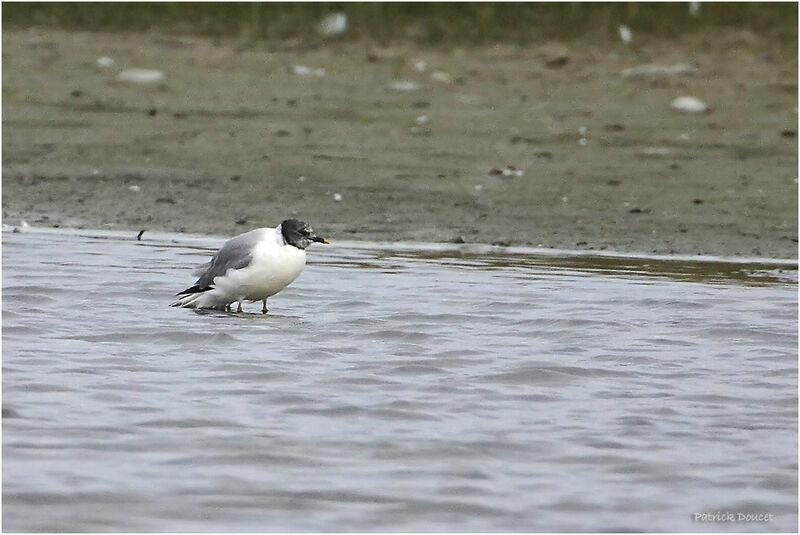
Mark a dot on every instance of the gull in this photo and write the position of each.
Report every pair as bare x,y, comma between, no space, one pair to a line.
251,266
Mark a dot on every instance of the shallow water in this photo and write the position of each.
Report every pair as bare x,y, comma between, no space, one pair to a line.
416,389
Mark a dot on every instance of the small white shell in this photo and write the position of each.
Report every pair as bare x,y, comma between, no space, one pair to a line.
512,171
403,86
655,151
141,76
302,70
625,34
689,105
659,71
333,25
441,76
105,62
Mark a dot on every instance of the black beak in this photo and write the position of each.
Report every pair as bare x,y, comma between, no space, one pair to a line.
319,240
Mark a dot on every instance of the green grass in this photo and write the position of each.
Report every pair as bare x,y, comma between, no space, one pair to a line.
420,22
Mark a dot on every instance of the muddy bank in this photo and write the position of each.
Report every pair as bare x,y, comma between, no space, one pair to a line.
235,138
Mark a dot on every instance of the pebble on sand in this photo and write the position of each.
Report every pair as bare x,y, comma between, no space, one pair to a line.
660,71
508,170
333,25
141,76
302,70
403,86
441,76
104,62
557,61
655,151
689,105
625,34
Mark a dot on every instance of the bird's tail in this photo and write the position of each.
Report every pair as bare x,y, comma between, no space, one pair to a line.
189,297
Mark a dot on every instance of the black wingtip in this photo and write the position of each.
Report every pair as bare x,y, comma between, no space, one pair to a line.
194,290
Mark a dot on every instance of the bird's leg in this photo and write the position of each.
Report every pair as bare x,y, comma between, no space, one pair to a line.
239,309
264,308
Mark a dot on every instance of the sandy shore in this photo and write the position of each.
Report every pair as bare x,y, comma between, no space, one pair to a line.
232,139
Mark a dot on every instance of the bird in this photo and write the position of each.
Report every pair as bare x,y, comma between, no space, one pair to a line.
251,267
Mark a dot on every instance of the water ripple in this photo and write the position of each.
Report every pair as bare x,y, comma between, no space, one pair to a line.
425,389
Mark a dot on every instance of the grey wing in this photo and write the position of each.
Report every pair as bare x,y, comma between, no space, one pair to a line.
199,270
237,253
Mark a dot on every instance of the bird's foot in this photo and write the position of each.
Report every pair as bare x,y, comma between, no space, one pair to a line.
239,308
264,308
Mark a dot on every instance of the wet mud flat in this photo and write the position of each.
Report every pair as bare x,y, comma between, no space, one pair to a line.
548,145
